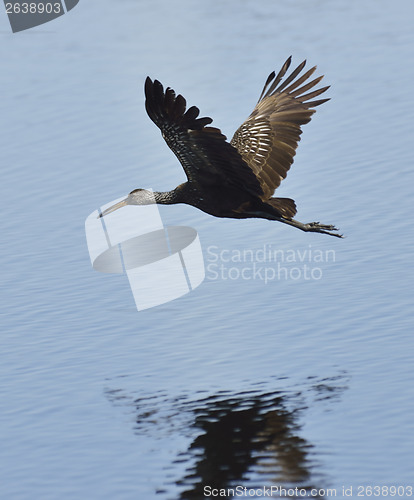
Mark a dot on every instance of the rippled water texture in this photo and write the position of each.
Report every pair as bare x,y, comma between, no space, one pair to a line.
291,364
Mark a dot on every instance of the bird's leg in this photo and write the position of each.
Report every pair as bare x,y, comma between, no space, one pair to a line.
313,227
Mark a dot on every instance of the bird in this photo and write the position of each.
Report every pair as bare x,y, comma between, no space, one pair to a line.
236,179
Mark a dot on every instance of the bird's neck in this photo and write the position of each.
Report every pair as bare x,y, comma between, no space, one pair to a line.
169,197
163,198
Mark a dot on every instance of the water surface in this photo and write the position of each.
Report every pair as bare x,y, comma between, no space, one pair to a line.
301,382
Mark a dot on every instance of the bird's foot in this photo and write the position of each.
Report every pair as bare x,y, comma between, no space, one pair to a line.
317,227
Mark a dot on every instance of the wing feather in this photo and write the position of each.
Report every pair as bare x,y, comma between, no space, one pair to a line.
268,139
203,151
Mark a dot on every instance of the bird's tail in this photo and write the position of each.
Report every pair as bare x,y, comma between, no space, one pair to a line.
285,206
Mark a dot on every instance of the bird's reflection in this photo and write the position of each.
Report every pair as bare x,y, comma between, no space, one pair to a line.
245,435
252,438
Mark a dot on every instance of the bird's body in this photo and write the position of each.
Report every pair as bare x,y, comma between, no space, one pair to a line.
236,179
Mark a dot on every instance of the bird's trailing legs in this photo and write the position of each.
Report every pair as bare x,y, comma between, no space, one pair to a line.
312,227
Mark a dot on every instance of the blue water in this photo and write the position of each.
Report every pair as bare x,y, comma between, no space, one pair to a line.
301,382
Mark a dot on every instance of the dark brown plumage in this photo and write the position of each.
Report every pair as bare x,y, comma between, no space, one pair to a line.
236,179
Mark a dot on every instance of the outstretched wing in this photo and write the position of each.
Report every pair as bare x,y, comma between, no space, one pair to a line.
203,151
268,139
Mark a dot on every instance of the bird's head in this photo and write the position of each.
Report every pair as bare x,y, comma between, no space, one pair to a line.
135,197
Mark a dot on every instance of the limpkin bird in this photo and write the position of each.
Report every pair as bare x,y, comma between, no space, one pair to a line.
235,179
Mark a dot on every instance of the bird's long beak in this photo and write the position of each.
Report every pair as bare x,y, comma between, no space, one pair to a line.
120,204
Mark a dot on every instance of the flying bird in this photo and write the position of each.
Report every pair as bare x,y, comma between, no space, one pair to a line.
235,179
